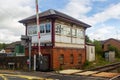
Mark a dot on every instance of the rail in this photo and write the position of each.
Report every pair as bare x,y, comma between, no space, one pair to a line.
106,67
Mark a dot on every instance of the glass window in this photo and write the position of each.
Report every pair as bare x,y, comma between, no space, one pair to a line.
74,32
29,30
80,33
32,30
66,30
61,58
35,30
48,27
42,28
62,29
58,29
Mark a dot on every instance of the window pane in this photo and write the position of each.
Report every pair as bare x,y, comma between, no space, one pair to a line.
32,30
80,33
58,29
62,30
68,31
35,30
48,27
29,30
74,32
65,30
42,29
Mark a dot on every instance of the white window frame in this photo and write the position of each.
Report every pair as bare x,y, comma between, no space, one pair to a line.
44,24
31,30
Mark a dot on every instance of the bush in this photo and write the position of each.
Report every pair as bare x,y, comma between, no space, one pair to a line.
87,63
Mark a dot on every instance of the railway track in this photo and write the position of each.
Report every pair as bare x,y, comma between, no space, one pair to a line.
106,67
100,72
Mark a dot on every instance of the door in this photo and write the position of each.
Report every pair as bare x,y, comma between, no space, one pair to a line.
43,63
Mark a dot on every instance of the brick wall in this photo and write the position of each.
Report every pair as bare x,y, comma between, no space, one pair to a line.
67,63
112,42
55,57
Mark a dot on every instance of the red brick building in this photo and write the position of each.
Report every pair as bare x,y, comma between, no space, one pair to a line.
62,39
112,42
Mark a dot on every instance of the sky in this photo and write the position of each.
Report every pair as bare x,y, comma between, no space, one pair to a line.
102,15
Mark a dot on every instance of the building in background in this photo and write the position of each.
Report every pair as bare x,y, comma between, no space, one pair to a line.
11,47
15,49
90,52
62,39
110,42
2,51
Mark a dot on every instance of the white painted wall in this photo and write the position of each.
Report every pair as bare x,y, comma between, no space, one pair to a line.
44,37
69,45
65,35
90,52
65,39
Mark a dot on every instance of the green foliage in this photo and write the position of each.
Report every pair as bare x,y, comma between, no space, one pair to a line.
111,48
117,51
3,46
98,47
100,61
87,39
87,63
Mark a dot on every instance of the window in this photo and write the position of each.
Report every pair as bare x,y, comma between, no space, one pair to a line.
80,33
62,29
74,32
35,29
48,27
61,59
42,28
45,28
32,30
58,29
79,58
67,31
71,59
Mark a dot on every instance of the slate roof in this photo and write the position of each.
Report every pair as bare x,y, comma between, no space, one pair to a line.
55,14
104,41
12,45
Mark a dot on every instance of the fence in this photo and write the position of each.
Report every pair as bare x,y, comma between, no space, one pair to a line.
18,63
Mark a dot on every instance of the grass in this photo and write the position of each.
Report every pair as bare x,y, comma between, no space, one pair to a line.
100,61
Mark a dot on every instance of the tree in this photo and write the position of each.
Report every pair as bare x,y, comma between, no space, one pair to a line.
3,46
87,39
98,47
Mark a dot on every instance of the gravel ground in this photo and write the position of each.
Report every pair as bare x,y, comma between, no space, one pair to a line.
53,75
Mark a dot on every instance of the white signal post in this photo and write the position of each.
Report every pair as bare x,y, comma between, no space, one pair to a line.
38,27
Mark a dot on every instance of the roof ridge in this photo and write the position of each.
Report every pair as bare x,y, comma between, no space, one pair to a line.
52,11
